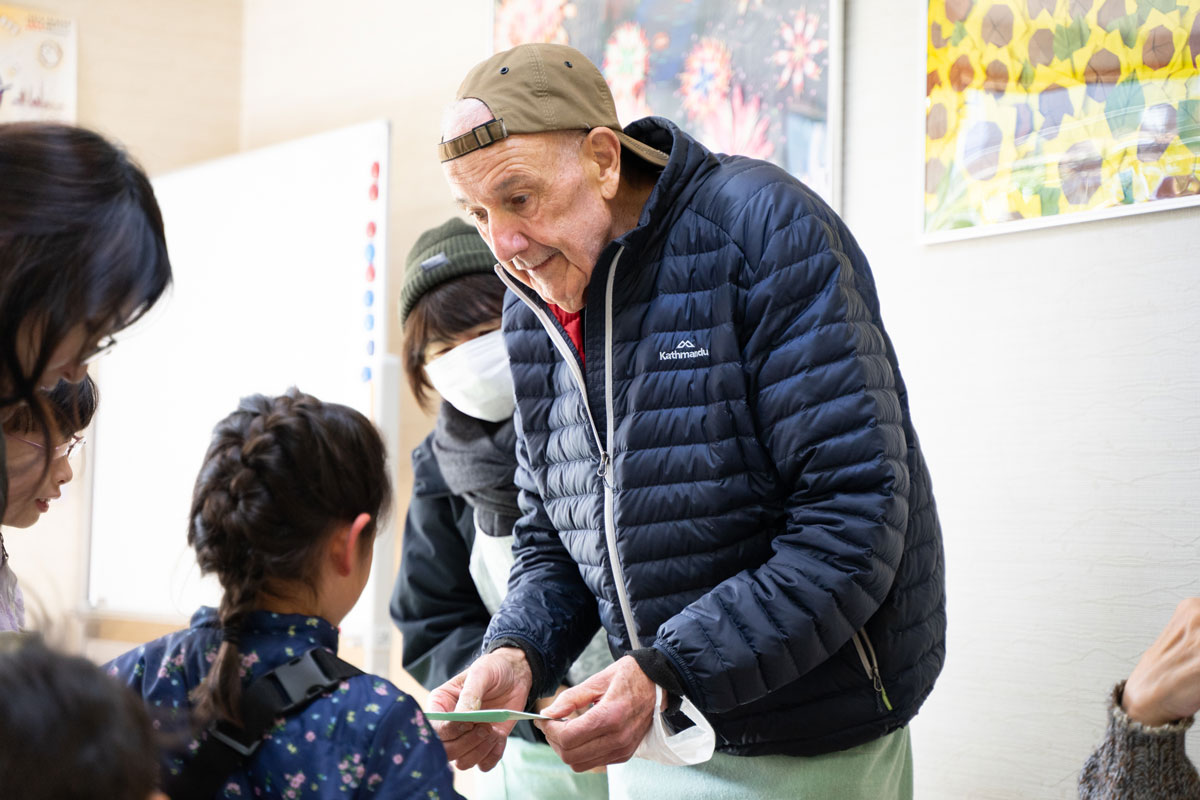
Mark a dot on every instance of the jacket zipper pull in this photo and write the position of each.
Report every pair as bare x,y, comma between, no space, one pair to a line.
866,654
602,470
877,681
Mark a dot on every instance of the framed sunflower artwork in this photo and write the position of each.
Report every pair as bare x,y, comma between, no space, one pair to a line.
760,78
1042,112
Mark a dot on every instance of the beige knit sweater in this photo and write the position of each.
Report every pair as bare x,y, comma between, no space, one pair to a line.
1138,762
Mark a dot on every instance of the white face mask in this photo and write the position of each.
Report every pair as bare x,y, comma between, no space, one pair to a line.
474,378
692,745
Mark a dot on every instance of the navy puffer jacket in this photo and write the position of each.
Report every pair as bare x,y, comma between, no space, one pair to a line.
734,478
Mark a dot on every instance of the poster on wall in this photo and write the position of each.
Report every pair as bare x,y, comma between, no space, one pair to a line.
760,78
1042,112
38,66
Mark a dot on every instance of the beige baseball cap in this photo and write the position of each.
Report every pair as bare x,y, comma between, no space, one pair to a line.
534,88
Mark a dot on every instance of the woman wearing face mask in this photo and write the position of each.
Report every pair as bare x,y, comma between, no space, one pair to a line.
457,546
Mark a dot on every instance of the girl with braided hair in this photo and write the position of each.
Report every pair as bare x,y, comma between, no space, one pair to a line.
284,513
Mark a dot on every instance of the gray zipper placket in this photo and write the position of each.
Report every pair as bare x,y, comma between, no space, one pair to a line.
605,468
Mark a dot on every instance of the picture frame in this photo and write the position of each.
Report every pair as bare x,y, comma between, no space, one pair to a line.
39,64
1049,112
761,78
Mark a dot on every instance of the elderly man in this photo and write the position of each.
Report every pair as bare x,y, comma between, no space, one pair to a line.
716,458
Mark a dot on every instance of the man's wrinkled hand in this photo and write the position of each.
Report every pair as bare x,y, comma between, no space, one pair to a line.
615,706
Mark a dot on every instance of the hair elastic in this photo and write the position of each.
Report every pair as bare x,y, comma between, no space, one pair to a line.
231,635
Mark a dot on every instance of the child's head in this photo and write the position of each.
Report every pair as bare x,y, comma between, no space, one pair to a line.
68,731
451,294
31,483
284,480
82,253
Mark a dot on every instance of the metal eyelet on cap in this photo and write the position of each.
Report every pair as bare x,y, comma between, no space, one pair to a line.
569,64
504,70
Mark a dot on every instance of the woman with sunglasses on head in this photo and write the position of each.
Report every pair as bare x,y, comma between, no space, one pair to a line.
457,546
31,485
82,256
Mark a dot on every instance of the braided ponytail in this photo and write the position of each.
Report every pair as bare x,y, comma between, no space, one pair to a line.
279,474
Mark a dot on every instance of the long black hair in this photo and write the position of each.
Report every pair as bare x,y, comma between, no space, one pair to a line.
279,474
81,243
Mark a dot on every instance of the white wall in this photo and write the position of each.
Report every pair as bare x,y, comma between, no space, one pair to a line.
1054,378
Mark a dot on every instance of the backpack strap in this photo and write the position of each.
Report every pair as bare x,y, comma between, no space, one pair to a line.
276,693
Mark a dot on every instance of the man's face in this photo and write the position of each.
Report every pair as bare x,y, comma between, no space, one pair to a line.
537,202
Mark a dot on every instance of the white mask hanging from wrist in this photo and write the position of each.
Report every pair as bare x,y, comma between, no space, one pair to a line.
474,378
693,745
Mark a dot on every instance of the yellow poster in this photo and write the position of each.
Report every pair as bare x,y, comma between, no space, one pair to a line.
1059,110
38,66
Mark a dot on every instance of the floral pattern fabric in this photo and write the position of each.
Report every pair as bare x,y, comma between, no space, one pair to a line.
363,739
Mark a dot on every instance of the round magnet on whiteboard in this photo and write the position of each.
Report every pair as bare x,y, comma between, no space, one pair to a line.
370,252
366,373
370,272
375,170
369,322
374,192
370,229
369,298
371,347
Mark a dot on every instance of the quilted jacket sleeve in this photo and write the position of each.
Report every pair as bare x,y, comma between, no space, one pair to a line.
548,610
823,392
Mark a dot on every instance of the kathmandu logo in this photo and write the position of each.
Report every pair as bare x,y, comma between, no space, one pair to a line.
685,349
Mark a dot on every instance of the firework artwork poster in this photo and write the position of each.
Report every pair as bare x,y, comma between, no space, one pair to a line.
759,78
1045,112
38,72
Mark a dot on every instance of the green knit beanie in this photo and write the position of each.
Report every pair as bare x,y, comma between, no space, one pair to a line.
441,254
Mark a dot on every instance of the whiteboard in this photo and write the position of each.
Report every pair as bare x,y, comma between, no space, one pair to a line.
279,258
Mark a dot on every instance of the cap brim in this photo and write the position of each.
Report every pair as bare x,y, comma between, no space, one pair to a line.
642,150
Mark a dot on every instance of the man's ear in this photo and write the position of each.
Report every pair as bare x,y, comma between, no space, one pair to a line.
344,544
602,149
